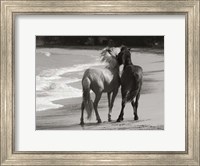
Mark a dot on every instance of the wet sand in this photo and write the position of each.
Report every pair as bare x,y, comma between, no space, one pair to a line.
150,109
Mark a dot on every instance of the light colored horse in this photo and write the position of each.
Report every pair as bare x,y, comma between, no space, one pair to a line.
101,81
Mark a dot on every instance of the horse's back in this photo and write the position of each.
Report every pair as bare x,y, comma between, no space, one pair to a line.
95,76
98,74
101,79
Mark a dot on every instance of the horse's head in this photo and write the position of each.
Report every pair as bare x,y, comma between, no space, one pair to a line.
109,55
124,56
110,51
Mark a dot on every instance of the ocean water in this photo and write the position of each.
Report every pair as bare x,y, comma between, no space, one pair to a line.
56,71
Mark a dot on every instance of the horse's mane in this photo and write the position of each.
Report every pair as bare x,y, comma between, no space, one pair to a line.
109,54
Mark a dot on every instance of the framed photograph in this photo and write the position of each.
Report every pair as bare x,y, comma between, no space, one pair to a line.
100,82
68,68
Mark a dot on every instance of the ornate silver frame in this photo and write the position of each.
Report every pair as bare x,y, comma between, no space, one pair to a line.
11,8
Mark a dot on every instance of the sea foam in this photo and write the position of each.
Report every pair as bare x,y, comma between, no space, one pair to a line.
44,99
51,85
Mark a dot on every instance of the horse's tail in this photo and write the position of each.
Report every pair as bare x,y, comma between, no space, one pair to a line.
86,97
136,86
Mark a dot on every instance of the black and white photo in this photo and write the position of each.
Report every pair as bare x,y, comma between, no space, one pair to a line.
99,82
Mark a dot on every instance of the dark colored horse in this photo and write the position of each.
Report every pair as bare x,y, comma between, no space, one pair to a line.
131,82
101,81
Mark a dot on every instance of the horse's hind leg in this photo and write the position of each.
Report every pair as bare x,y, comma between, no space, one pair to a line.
120,118
96,101
135,106
82,113
109,107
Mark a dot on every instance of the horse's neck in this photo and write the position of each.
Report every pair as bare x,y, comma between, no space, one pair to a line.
115,70
128,62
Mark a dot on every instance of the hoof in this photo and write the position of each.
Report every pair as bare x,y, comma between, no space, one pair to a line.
118,120
99,121
82,123
136,118
109,118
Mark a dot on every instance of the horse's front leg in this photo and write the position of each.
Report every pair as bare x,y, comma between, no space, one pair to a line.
111,104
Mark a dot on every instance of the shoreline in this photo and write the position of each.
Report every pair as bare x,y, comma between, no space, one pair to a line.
150,109
68,117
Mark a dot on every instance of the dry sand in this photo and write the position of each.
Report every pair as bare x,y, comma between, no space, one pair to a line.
150,110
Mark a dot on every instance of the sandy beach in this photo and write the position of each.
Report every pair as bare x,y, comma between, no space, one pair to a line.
151,103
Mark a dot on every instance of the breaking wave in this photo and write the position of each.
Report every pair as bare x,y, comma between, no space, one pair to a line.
52,85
